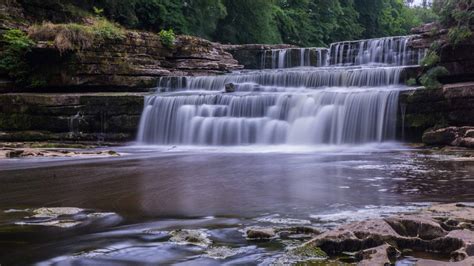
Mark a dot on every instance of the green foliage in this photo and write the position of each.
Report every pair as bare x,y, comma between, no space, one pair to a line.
106,30
431,59
458,16
411,82
300,22
13,60
459,34
167,38
73,36
98,11
430,78
249,21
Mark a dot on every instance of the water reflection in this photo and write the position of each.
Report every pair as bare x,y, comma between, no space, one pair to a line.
148,188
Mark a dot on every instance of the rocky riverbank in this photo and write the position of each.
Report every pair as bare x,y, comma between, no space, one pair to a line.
427,110
439,235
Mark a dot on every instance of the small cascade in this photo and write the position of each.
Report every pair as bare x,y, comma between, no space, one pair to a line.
294,57
347,94
389,51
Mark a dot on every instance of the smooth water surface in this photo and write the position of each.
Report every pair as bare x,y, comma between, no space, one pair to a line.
219,190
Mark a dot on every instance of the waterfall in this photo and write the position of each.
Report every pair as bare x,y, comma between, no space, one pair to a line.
294,57
390,51
347,94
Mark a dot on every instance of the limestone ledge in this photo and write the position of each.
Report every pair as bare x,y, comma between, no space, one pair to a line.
422,109
63,117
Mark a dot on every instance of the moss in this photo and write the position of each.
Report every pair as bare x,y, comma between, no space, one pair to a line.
309,251
423,120
411,82
9,122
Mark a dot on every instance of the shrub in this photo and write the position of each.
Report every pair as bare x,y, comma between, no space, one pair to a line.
74,36
458,34
411,82
13,59
430,59
430,79
167,38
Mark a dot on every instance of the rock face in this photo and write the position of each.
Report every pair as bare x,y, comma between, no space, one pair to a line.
440,229
422,109
458,60
89,116
134,63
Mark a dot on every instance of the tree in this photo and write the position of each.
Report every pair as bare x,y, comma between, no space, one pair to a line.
248,21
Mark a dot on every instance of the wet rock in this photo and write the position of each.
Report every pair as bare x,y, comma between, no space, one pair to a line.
190,237
55,212
381,255
454,136
297,232
36,152
260,233
416,226
377,241
14,154
229,87
63,217
225,252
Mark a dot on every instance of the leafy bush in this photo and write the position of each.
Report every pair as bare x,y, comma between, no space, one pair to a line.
13,59
458,16
430,59
74,36
430,78
411,82
458,34
167,38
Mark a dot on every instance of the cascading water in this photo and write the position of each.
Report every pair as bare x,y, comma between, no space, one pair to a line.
294,57
350,97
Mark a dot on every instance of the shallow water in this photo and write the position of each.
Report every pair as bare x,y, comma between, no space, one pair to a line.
153,190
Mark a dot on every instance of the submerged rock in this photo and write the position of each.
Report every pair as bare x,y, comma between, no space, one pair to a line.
190,237
229,87
260,233
225,252
62,217
292,232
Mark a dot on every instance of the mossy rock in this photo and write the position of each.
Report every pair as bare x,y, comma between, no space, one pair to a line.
309,251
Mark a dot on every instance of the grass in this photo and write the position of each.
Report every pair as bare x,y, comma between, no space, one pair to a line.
73,36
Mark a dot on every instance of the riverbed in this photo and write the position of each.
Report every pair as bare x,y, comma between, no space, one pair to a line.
133,202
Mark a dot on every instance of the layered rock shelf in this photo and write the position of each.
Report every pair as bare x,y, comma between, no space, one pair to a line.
422,109
62,117
444,230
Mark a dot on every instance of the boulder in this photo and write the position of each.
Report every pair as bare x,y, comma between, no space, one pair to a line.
453,136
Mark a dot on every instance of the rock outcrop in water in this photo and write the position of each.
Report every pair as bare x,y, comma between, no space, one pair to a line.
422,109
444,230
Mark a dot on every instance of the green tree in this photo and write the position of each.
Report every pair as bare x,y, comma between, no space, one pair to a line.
248,21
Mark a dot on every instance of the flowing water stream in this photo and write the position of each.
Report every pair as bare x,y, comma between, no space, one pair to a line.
310,140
